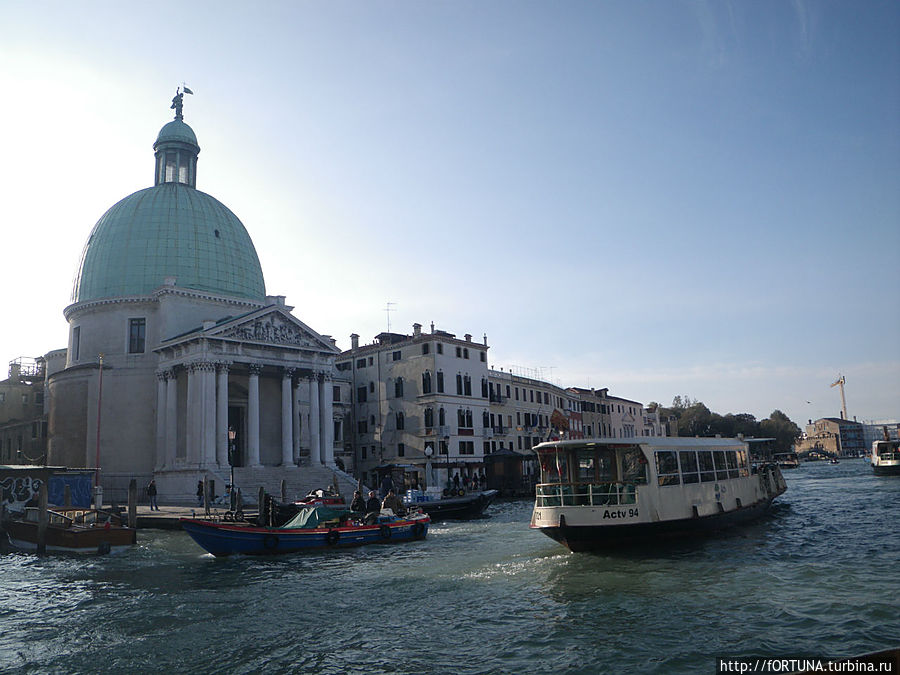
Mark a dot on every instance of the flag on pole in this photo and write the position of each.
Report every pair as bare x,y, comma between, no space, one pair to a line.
186,90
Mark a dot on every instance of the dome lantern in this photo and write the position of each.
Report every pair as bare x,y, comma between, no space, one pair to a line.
176,148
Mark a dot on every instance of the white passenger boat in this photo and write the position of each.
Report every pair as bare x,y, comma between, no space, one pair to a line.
886,458
596,494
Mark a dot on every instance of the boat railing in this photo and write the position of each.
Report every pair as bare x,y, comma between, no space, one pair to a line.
585,494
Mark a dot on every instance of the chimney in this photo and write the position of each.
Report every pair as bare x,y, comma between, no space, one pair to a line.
432,326
354,341
485,339
417,329
468,337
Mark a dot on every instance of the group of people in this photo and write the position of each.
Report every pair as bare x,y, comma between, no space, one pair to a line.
369,509
473,482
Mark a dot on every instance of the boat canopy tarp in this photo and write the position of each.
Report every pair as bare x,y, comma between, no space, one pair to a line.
311,517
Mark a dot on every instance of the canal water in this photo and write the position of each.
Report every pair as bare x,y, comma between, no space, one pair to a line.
818,577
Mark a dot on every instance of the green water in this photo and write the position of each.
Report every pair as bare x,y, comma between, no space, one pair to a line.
817,577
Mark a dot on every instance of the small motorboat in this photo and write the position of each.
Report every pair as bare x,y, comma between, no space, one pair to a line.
459,505
312,528
71,530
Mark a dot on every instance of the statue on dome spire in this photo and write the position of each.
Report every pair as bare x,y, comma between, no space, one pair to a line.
178,101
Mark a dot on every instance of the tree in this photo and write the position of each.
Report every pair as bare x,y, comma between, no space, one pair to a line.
780,427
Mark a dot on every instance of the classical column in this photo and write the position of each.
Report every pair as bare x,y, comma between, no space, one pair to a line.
208,428
287,423
295,419
222,415
192,416
315,443
171,419
326,409
253,415
160,460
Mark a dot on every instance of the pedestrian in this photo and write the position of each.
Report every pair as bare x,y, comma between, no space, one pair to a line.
151,493
456,481
386,485
199,493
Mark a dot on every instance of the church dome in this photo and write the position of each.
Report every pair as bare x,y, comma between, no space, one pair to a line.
169,230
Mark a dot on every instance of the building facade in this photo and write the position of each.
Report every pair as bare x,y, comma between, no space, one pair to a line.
179,366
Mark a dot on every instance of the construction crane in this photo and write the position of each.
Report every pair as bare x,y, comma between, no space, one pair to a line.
840,383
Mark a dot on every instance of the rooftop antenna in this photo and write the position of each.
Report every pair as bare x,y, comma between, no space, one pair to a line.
388,308
840,383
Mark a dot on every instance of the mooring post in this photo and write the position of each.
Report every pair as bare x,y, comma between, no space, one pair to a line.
283,490
261,517
132,503
67,496
207,493
43,519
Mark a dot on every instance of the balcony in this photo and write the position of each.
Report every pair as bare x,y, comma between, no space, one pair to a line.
501,430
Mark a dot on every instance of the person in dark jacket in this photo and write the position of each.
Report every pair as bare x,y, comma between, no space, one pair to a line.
358,505
373,508
151,493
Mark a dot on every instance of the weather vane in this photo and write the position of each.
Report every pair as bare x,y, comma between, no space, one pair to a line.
178,101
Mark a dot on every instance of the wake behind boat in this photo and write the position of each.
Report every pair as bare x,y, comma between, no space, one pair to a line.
312,528
596,494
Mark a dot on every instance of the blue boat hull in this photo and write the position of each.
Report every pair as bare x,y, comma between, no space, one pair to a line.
223,539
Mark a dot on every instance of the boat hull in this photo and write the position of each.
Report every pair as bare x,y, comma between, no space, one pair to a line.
24,535
588,538
224,539
891,469
466,507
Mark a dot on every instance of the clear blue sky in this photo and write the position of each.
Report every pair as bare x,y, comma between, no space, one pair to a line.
662,198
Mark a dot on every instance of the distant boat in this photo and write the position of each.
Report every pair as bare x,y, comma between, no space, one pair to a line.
834,460
71,530
787,460
597,494
886,457
313,528
463,506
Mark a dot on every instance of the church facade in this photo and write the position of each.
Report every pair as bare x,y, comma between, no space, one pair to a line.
178,365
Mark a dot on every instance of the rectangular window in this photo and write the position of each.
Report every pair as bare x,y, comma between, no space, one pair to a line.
721,469
546,398
690,471
336,394
440,348
440,382
465,352
396,356
731,463
707,468
137,329
76,343
361,395
667,467
401,450
425,348
444,448
360,363
371,361
371,387
459,352
363,452
467,447
362,427
483,356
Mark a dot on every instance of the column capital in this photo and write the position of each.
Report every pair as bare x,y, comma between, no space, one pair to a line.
254,368
288,373
163,375
223,366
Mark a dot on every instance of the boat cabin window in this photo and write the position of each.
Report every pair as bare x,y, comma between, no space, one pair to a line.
721,469
731,463
690,471
634,466
667,467
743,465
707,469
585,466
554,468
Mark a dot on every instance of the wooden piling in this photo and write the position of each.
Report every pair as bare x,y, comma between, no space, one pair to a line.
43,519
132,503
207,489
261,518
283,490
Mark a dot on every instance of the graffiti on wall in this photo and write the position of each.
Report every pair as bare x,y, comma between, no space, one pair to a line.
79,489
18,492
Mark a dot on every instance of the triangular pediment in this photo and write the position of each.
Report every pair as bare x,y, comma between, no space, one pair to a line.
272,326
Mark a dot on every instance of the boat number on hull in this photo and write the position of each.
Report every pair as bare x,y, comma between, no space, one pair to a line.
620,513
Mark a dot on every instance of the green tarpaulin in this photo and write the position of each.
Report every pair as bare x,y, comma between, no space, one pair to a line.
313,516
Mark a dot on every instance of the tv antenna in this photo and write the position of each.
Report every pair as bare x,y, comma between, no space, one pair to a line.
388,308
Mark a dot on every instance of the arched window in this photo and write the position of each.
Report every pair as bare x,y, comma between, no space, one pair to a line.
442,417
459,384
429,418
401,422
485,420
398,387
467,385
469,419
484,388
426,382
460,417
440,381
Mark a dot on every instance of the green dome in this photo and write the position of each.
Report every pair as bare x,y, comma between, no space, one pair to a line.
169,230
178,132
